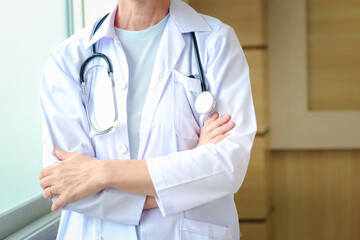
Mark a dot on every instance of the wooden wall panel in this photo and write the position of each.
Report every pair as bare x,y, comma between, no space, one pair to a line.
316,195
334,54
258,230
247,17
253,201
257,60
293,125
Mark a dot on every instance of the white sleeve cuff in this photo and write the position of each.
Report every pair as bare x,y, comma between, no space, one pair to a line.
111,204
163,200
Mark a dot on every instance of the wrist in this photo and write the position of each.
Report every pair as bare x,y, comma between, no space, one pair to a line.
105,173
113,172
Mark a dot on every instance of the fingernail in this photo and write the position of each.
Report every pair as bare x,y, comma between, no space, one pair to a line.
214,115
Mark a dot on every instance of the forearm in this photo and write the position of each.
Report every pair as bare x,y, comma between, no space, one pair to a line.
128,175
131,176
86,177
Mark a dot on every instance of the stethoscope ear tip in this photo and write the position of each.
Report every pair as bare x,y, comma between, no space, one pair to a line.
116,123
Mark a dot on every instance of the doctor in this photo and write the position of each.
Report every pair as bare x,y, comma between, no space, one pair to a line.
174,190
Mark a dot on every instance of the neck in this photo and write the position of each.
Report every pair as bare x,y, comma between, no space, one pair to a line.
136,15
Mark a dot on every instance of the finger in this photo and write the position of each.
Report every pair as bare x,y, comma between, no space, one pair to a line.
60,154
218,122
219,138
50,192
59,203
222,129
47,194
46,182
46,171
213,117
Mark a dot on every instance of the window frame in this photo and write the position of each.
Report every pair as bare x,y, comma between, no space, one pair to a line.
18,220
19,217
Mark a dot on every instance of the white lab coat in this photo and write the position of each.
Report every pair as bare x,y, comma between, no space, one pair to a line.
195,187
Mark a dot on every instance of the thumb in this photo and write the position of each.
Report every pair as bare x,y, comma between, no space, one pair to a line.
59,203
60,154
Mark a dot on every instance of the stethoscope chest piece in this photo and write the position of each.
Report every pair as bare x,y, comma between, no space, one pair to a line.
205,102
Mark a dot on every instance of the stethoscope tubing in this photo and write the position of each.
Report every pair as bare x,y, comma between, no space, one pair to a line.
96,55
94,130
198,61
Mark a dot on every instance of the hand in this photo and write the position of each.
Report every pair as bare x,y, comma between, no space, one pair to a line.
76,176
215,129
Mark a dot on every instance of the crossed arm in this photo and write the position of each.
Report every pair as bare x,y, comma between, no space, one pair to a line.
77,176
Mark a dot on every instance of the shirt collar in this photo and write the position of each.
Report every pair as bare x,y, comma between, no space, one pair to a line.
185,18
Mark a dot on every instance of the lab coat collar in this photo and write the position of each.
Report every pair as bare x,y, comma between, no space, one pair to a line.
106,30
185,18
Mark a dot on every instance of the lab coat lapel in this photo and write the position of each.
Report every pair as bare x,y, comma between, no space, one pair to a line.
170,49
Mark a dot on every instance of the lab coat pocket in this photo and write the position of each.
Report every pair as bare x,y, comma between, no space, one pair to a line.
185,118
195,230
190,83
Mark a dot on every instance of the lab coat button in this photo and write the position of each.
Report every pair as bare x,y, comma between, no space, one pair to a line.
122,148
122,84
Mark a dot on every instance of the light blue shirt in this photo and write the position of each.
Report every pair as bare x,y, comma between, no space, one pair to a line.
140,48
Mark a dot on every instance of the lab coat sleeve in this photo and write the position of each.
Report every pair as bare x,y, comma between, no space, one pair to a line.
187,179
64,125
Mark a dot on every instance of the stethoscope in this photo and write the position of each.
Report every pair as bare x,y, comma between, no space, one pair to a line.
204,103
